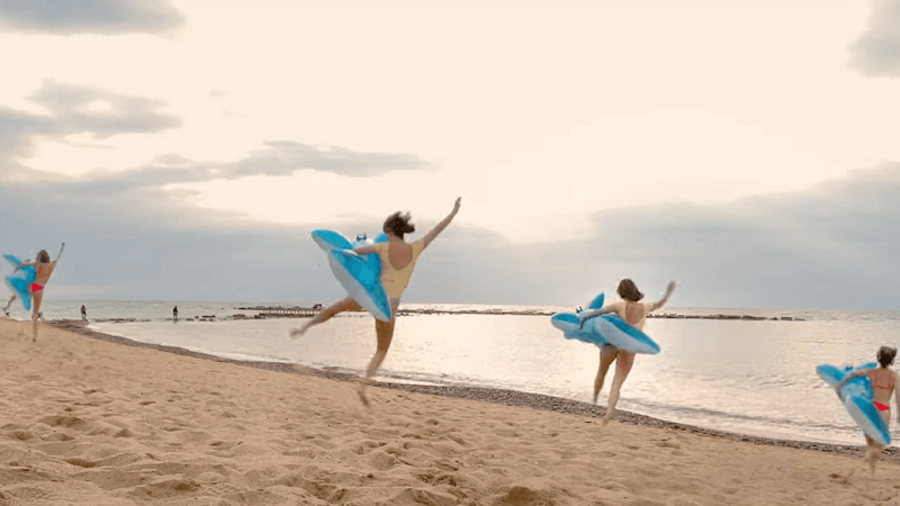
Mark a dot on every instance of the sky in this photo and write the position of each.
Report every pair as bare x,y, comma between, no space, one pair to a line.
184,150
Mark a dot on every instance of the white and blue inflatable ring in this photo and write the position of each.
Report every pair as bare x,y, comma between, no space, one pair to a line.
359,275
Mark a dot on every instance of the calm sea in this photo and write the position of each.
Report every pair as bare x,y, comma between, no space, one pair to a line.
750,377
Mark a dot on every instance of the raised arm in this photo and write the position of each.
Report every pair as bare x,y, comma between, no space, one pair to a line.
847,377
434,232
58,255
584,315
662,302
24,264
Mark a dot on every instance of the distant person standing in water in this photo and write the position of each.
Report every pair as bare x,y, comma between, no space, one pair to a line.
634,313
175,313
83,313
885,382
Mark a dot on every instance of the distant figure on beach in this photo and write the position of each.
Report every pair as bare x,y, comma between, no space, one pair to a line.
43,269
175,313
398,259
885,382
634,313
83,313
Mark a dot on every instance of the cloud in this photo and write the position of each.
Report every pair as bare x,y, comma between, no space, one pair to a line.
16,132
106,17
284,157
136,238
829,247
877,51
77,110
826,247
102,114
277,159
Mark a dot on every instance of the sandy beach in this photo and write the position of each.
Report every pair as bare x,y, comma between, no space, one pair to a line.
85,419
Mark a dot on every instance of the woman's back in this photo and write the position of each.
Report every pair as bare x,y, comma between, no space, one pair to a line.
884,381
634,313
397,264
42,272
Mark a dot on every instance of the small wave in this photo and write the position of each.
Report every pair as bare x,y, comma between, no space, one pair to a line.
706,413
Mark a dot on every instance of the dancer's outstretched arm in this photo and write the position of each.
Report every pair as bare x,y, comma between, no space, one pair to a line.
436,231
662,302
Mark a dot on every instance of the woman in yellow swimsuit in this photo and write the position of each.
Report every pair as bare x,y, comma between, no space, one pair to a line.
398,259
634,313
885,381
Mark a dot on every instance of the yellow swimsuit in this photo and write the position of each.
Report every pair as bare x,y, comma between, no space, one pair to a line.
395,280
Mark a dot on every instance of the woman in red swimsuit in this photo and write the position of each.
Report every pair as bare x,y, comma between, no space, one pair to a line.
43,268
885,381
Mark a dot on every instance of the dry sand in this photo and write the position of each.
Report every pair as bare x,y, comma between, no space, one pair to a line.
85,421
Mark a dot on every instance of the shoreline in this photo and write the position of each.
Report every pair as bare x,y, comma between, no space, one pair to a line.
495,396
265,313
295,311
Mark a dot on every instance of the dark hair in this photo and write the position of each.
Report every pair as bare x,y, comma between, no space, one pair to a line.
629,291
43,257
886,355
398,224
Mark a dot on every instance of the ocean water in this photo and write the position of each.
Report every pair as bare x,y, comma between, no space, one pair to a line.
743,376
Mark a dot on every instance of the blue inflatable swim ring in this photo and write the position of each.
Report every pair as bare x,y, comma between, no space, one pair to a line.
857,397
604,329
20,281
359,275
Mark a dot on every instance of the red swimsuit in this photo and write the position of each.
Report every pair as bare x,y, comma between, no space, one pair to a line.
888,387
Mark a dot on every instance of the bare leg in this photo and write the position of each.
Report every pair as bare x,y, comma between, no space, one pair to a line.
11,299
36,305
326,314
872,451
624,361
385,333
607,355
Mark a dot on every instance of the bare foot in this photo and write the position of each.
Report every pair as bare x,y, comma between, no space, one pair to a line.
604,421
297,332
871,461
595,397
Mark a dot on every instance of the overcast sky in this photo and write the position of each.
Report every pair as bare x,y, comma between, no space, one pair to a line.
184,149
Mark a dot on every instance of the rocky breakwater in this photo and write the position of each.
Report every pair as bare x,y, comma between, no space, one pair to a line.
726,317
279,312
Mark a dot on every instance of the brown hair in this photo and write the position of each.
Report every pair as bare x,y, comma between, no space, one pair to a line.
43,257
886,355
629,291
398,224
